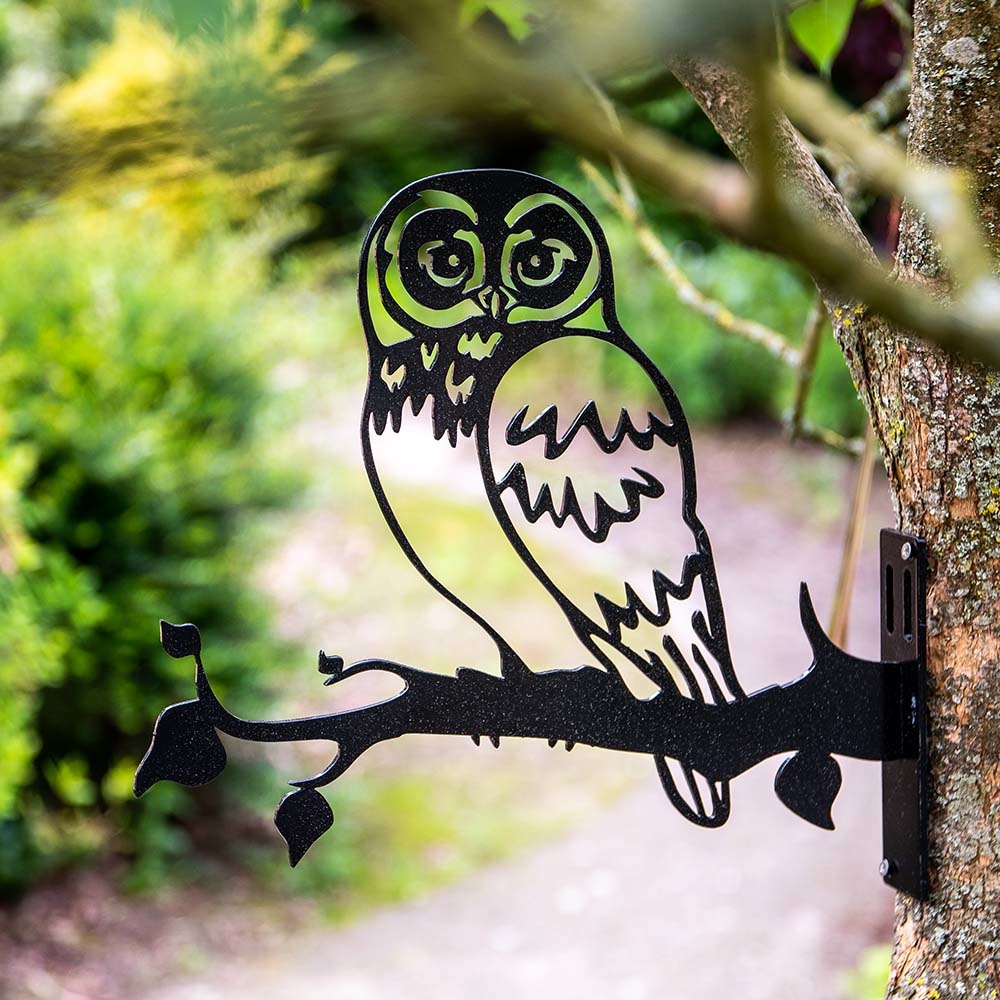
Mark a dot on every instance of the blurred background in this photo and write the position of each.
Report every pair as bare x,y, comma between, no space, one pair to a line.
184,187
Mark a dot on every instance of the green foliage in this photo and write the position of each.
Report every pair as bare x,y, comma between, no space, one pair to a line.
515,14
819,29
130,422
866,981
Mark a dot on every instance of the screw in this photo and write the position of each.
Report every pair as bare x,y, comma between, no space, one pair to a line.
906,551
887,868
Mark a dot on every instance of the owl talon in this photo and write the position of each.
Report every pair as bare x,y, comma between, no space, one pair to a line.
476,738
553,741
495,740
569,745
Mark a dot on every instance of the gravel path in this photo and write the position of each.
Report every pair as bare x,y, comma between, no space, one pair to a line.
635,902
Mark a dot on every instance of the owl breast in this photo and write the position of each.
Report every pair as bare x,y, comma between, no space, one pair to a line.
433,495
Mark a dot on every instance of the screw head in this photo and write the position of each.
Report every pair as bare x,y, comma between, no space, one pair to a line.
887,868
906,551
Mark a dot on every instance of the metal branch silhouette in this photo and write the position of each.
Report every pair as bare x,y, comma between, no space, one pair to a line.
840,705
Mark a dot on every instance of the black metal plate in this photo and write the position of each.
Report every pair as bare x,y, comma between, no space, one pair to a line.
905,782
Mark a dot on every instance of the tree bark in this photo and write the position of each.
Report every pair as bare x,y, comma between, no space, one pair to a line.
942,424
938,422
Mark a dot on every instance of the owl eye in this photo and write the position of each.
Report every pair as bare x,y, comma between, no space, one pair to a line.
546,271
449,263
540,262
549,260
440,258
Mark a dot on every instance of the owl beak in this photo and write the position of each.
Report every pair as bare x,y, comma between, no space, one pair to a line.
496,300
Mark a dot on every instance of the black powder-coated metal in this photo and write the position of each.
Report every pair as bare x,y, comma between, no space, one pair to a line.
463,275
906,781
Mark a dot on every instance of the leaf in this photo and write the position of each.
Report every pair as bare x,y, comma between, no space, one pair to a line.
302,817
180,640
185,748
819,29
808,783
515,15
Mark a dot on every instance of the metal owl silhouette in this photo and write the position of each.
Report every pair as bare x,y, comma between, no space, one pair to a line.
470,285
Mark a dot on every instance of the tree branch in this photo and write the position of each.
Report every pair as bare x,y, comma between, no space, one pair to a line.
831,439
806,367
836,255
626,202
726,98
857,515
688,293
811,223
943,195
891,102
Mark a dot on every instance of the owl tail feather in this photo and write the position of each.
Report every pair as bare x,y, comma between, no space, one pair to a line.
703,802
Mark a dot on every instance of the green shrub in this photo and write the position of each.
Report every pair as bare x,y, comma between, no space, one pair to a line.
131,405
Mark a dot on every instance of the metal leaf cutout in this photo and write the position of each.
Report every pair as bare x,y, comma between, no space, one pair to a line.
302,817
808,783
185,748
180,640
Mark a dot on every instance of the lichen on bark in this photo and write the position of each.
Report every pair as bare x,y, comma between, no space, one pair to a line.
945,478
938,422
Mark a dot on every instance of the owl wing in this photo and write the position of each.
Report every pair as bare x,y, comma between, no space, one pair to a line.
619,469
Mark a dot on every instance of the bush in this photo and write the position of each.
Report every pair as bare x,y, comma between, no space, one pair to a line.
131,404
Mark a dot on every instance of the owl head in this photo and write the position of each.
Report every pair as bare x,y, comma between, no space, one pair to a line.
463,273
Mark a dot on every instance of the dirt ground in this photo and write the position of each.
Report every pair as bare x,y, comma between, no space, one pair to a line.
632,902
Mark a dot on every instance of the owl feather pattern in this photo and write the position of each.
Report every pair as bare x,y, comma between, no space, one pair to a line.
467,284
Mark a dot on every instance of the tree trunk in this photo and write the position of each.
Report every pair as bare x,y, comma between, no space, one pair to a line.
940,422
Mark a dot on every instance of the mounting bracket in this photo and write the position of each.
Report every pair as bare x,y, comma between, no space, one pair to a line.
906,781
